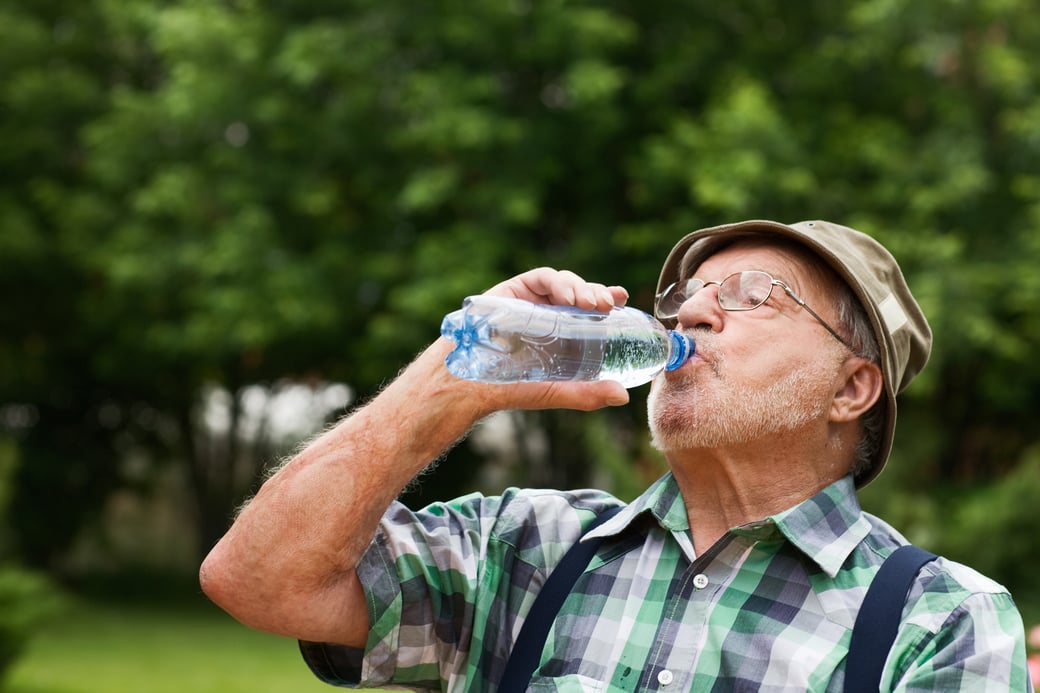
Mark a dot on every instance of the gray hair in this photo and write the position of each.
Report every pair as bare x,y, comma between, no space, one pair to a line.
857,328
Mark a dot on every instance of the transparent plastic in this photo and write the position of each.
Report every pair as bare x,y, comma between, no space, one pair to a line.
507,340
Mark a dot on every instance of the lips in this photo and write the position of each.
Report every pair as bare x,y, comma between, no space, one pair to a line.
706,351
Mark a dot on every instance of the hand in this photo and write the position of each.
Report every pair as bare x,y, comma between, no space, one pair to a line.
557,287
561,287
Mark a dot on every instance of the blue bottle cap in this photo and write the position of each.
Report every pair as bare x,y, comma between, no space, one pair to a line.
682,348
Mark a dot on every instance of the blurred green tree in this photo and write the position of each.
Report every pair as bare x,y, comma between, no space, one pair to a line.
204,195
27,599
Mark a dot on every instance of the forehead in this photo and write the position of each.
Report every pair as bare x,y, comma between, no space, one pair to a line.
788,261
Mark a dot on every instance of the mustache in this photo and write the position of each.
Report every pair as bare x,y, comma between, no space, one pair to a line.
705,342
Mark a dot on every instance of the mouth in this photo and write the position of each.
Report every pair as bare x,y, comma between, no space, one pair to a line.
693,361
703,353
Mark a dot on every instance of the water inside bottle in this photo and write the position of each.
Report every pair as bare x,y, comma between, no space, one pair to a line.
629,359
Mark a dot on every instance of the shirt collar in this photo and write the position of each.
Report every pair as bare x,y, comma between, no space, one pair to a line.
662,500
826,527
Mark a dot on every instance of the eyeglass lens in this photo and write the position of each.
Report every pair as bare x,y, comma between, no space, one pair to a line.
741,291
745,291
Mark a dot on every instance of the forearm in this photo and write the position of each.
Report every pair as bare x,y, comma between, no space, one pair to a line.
286,561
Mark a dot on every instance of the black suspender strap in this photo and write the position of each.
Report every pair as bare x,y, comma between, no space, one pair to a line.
879,617
527,650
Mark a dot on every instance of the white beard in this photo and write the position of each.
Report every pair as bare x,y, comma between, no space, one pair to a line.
693,413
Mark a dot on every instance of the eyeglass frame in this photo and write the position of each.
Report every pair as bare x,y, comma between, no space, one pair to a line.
718,298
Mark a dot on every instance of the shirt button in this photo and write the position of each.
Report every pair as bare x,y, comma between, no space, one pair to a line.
700,581
665,677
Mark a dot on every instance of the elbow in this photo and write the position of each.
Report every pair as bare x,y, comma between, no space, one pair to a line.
249,593
334,612
223,580
215,579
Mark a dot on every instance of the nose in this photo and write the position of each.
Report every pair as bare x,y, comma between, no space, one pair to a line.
702,310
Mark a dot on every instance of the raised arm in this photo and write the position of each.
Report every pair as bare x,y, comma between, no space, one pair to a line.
287,563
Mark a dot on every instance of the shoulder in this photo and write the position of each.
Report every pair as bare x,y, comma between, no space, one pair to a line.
518,517
941,586
961,630
537,516
947,601
941,576
947,591
957,578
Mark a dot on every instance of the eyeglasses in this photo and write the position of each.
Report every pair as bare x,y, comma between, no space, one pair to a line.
745,290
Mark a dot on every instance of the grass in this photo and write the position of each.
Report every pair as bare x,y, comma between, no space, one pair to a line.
187,646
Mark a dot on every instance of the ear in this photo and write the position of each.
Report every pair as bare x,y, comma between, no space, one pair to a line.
859,390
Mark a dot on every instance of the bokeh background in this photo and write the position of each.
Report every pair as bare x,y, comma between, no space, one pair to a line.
225,223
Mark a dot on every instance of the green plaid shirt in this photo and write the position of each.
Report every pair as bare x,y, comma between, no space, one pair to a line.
770,607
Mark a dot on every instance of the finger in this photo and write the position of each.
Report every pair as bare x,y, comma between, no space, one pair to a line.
599,297
542,284
619,294
561,287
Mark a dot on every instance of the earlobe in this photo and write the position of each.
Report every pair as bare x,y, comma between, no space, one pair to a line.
858,393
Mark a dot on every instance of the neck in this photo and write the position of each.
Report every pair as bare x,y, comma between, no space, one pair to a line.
727,487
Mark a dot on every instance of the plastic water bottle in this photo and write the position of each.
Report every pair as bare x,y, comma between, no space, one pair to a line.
507,340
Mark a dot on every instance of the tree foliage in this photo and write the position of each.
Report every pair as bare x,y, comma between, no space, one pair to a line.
201,194
27,599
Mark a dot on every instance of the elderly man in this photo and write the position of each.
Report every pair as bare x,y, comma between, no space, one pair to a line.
743,568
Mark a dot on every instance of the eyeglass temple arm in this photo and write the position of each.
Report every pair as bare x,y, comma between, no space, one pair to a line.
797,299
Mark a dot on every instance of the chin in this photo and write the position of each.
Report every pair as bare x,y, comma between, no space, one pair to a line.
672,421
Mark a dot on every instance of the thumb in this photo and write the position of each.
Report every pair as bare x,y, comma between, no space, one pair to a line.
584,396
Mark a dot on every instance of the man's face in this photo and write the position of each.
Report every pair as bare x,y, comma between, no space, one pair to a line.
755,373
